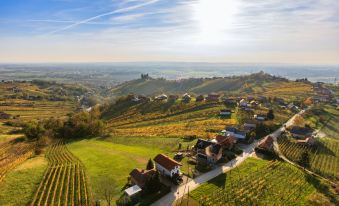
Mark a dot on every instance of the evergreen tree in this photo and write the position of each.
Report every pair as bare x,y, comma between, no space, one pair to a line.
270,114
150,165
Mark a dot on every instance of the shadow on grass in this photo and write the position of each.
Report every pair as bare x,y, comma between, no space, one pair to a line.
322,188
323,149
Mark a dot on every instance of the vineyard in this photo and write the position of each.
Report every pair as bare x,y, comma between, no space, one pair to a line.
262,186
161,119
64,182
13,153
324,158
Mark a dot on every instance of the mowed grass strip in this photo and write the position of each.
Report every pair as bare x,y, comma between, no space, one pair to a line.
112,161
19,185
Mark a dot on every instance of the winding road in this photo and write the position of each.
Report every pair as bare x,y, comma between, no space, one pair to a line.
248,151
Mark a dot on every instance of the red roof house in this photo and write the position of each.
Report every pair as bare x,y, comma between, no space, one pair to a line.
140,177
166,165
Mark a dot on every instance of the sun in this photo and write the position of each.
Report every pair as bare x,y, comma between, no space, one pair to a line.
214,18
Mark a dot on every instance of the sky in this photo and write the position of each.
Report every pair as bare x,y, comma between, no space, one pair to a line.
242,31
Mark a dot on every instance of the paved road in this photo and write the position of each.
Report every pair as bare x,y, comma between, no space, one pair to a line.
181,190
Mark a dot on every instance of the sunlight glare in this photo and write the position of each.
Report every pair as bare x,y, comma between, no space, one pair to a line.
213,18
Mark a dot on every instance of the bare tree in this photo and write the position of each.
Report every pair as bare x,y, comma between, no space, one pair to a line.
107,189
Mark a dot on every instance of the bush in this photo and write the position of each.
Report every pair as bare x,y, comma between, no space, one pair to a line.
34,130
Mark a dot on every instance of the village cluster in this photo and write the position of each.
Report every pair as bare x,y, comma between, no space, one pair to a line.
208,153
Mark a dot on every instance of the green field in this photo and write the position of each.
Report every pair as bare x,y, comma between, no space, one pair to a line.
112,161
20,184
259,182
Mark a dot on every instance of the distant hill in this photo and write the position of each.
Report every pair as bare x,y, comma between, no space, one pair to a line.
253,83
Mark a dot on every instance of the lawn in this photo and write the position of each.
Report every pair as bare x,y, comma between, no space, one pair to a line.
20,184
110,160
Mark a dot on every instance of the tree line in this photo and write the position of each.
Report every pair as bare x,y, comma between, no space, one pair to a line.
78,125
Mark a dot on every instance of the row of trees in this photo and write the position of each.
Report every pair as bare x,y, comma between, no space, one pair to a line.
82,124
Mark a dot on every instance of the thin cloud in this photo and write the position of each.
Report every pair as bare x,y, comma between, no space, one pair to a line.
130,8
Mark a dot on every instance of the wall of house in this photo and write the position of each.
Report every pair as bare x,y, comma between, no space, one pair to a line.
166,172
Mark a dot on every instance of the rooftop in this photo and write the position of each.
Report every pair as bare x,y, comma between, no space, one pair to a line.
167,162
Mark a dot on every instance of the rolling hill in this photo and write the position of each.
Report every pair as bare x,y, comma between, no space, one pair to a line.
254,84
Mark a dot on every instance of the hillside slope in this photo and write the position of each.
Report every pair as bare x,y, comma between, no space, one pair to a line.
258,83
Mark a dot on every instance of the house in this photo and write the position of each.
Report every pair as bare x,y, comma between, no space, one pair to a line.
200,98
266,144
213,97
213,153
226,142
135,99
186,98
292,107
253,103
232,131
279,101
173,97
250,98
4,115
242,103
209,152
309,141
161,97
201,145
249,126
144,98
132,191
260,117
141,177
229,100
301,132
262,99
336,103
225,112
167,166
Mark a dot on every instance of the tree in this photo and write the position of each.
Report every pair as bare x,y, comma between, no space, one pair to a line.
304,159
270,114
153,184
34,130
107,189
150,165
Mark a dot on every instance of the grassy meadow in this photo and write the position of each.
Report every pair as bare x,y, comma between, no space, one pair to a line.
104,159
19,185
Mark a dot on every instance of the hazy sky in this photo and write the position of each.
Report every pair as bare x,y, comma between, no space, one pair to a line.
265,31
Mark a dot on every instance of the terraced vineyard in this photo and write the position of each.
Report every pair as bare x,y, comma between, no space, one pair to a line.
28,110
264,186
324,159
161,119
64,182
13,153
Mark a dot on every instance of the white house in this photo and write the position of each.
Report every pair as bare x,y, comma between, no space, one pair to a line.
161,97
243,103
232,131
167,166
260,117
